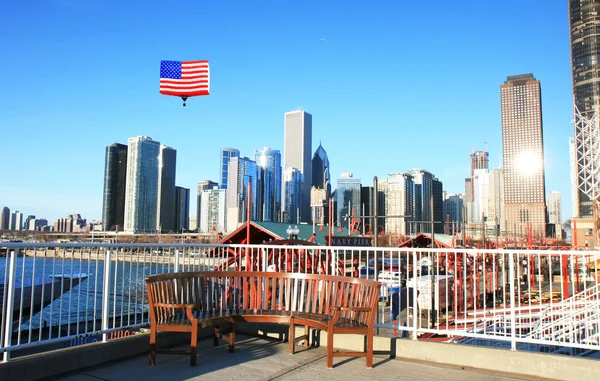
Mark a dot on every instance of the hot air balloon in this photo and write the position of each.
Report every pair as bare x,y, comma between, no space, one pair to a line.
184,79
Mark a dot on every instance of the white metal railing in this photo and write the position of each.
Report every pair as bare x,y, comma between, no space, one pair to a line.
55,295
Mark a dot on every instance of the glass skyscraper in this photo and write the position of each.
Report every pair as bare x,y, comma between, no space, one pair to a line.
141,191
115,172
348,198
585,67
268,192
226,154
167,161
426,187
242,171
182,209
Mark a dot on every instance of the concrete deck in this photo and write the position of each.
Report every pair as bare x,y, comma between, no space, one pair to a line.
258,358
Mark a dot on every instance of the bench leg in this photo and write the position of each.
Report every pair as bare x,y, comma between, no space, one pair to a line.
370,350
307,339
330,348
152,347
216,336
194,348
232,339
292,336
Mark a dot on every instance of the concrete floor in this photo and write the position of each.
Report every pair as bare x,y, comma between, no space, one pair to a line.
268,359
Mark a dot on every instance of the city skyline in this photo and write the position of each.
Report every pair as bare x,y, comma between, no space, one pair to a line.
370,128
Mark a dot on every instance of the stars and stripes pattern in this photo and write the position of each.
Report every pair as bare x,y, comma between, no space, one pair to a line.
184,78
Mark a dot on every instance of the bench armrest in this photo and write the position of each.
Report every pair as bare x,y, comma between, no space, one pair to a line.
364,309
336,312
189,309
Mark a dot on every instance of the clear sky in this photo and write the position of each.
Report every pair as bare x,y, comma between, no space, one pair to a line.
391,85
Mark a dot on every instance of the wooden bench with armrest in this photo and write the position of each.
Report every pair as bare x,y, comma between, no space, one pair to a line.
188,301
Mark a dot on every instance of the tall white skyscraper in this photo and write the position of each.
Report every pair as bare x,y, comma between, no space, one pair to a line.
495,207
213,211
141,189
554,216
480,182
297,151
399,202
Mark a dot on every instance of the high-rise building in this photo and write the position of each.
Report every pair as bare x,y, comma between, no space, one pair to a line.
203,186
166,208
268,192
585,55
4,218
213,213
226,154
480,182
16,221
321,186
141,191
399,202
115,172
242,171
297,149
348,198
523,155
426,187
291,196
554,215
453,212
182,209
495,210
321,178
28,220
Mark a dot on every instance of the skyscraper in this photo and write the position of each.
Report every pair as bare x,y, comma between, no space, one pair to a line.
496,201
268,192
554,215
585,58
453,212
297,149
321,186
182,209
399,202
348,197
202,186
214,207
166,208
115,172
523,155
426,187
4,218
226,154
141,191
480,182
242,171
291,196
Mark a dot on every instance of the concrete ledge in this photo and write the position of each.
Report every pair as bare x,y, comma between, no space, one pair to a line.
64,360
518,363
529,364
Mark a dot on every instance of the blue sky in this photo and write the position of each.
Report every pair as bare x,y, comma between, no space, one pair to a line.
391,85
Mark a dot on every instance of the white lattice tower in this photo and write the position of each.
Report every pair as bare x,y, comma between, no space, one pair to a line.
587,142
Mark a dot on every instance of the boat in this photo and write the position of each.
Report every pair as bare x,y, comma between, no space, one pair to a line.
31,296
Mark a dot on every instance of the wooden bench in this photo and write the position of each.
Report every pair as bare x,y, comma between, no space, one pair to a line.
188,301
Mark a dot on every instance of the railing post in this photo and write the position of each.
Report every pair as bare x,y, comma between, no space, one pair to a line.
105,295
176,270
511,274
414,306
10,301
